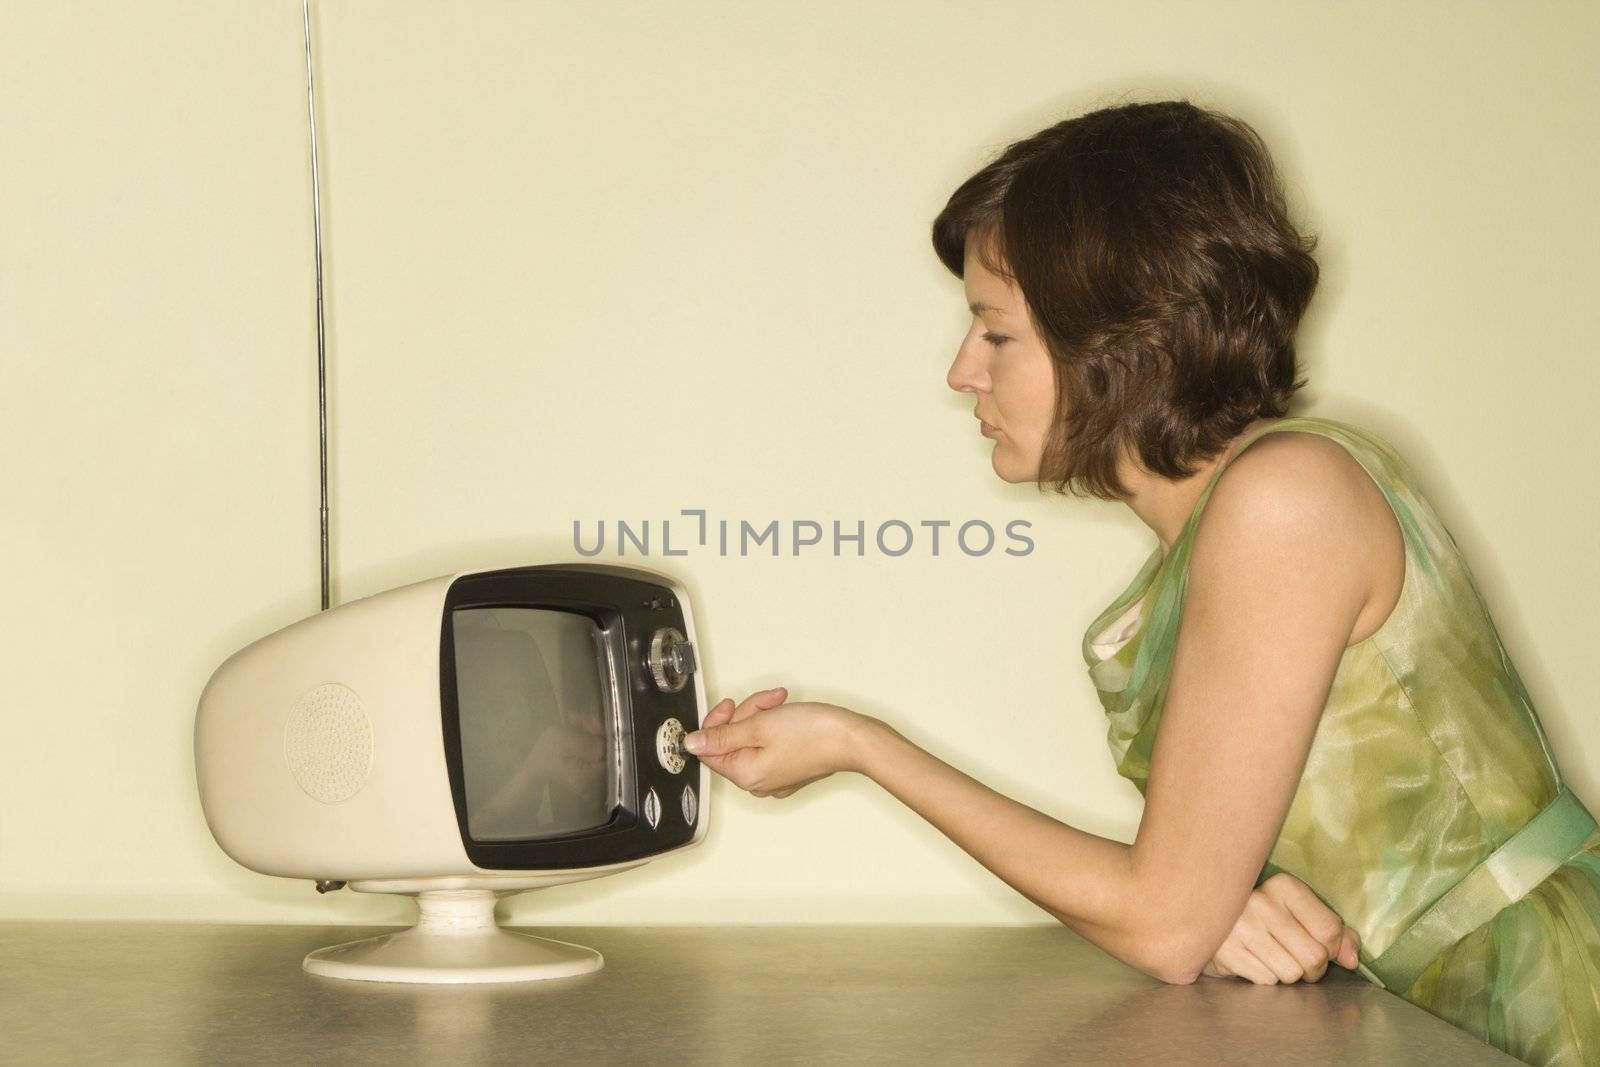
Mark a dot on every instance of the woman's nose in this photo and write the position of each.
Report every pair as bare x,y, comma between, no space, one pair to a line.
968,373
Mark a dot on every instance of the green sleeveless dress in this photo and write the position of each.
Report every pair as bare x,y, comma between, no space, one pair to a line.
1431,814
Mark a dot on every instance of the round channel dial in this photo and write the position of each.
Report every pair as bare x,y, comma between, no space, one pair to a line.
669,746
671,659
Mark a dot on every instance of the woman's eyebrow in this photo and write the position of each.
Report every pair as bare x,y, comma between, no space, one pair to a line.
978,307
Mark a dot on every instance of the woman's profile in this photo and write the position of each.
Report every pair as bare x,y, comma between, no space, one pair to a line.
1338,758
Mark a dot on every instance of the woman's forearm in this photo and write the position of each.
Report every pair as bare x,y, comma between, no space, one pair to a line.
1085,881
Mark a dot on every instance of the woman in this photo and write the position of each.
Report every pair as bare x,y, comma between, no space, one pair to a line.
1335,705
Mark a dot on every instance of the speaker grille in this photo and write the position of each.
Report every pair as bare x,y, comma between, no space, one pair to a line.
327,743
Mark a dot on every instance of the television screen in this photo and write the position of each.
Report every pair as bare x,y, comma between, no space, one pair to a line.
539,751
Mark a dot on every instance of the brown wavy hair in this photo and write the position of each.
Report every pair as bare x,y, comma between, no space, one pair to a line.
1160,268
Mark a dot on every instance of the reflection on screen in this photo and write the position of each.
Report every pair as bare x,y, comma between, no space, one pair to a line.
538,743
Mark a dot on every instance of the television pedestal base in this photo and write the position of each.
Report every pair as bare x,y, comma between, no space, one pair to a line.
456,939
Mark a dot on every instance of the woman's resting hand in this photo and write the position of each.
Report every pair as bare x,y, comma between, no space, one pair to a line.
1285,934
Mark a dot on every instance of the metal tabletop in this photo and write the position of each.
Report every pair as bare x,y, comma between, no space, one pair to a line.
175,993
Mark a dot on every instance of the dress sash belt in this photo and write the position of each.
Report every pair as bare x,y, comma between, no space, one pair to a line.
1547,841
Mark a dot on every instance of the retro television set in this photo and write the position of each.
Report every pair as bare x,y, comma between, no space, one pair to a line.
460,739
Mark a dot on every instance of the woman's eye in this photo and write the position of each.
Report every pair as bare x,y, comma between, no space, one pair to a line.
996,339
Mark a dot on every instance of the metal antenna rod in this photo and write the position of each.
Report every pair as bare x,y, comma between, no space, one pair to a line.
322,355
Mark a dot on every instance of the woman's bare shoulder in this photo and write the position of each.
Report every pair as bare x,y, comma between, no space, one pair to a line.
1329,512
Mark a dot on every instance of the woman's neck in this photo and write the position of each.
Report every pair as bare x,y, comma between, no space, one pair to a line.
1165,505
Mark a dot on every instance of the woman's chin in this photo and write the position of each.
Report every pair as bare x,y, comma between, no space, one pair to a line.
1006,468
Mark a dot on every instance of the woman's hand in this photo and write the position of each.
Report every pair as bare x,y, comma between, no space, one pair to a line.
1284,934
770,748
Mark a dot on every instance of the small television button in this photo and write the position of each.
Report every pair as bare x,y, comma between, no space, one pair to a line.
691,805
669,745
652,809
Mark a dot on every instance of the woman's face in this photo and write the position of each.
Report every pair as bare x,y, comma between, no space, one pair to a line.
1004,364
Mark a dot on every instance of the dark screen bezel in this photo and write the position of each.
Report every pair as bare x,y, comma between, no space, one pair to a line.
627,610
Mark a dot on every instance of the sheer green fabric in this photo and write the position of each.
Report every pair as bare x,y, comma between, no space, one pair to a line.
1428,757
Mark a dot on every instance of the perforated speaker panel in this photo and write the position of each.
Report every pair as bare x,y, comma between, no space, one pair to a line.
327,743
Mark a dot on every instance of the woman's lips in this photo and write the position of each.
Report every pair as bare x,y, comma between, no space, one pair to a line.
985,428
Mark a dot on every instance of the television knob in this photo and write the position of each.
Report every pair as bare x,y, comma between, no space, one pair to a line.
671,659
652,809
669,745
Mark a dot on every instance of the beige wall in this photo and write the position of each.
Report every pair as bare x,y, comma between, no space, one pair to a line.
601,260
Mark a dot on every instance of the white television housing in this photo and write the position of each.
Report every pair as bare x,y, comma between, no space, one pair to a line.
460,739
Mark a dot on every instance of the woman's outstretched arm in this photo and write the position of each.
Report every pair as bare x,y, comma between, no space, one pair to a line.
1279,573
1084,880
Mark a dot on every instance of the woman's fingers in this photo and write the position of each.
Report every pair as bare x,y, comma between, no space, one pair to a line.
1286,934
719,714
1303,943
726,711
1261,943
760,701
1307,910
1310,955
1349,949
1268,931
1239,962
720,740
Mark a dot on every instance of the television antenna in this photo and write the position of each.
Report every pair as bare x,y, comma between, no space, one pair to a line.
322,350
